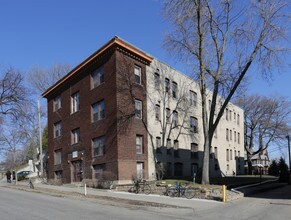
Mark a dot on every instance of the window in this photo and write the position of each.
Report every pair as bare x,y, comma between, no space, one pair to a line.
193,98
168,143
226,114
58,157
98,145
169,146
57,129
139,170
75,136
230,112
230,154
215,152
57,103
193,124
168,114
238,153
98,111
175,119
174,89
178,169
138,109
227,167
230,134
237,119
227,134
97,77
176,144
176,148
238,137
158,112
75,102
194,150
98,170
234,117
234,134
157,81
167,85
158,144
137,74
138,143
227,154
209,105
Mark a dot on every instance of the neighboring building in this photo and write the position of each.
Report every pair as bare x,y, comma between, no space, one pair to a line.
121,111
260,162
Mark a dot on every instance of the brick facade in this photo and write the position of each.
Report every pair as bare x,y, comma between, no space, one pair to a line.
119,127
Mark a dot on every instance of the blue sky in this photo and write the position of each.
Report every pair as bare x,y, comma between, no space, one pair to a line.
42,33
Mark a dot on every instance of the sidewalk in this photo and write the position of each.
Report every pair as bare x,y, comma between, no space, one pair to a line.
116,196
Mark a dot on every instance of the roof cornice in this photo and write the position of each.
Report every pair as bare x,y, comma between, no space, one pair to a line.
115,43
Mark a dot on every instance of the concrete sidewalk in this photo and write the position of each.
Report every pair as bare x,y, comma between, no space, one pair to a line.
138,199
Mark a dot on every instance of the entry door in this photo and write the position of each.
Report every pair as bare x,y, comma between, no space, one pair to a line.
77,171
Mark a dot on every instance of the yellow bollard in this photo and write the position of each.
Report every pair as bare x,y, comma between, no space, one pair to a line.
223,193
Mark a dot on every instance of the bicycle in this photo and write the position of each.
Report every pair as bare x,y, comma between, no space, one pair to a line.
180,191
140,186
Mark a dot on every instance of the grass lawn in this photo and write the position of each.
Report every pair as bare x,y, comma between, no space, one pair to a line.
228,181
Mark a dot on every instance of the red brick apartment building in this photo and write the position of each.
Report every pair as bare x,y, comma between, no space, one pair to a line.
85,135
98,114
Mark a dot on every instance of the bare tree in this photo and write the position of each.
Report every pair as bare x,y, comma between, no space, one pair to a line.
12,93
266,122
222,39
171,115
41,79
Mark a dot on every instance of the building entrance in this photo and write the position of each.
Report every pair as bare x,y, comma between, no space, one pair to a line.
77,171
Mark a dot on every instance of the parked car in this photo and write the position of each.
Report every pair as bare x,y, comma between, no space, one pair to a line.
22,175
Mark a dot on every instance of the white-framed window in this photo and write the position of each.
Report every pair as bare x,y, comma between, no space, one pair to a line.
193,124
75,136
138,109
98,111
175,119
75,102
58,157
230,154
227,154
234,134
57,103
57,129
238,119
139,170
174,89
98,145
167,85
137,74
193,98
97,77
230,113
227,134
158,112
157,80
138,144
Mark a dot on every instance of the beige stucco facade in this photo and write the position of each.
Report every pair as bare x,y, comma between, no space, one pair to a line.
227,149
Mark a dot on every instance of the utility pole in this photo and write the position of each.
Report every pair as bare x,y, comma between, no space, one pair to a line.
288,138
40,138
